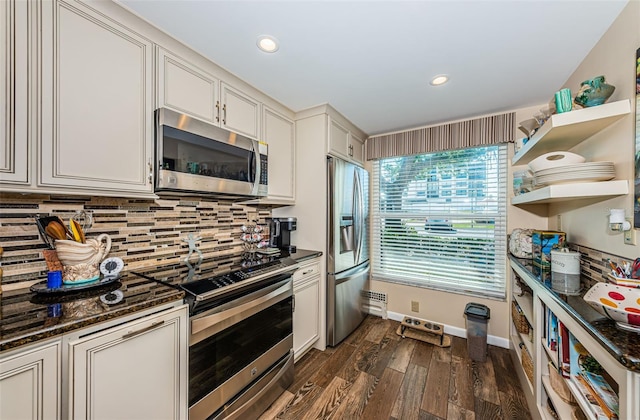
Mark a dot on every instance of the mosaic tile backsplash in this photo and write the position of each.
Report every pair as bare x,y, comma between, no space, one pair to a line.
144,233
594,264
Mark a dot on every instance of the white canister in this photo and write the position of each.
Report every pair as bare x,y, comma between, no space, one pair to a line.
565,271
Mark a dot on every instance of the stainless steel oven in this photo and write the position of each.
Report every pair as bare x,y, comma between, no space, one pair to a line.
241,334
240,352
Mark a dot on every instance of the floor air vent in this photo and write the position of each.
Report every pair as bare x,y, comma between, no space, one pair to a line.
375,303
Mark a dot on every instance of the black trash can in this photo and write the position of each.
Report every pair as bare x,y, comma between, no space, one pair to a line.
477,318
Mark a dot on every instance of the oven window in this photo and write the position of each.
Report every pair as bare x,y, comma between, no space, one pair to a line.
194,154
219,357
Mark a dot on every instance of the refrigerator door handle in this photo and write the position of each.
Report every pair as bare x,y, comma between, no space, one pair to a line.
357,210
356,216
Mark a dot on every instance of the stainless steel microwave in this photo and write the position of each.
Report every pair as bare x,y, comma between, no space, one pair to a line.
195,157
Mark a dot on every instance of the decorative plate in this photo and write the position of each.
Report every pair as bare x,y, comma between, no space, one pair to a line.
65,288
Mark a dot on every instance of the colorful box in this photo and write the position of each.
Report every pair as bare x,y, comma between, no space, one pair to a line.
542,242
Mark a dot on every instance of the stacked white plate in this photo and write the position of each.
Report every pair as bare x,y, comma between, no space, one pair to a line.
579,172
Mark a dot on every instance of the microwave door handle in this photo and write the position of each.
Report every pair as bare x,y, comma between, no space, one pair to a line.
253,167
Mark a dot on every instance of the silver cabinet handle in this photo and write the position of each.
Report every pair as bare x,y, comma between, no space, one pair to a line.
307,272
140,331
217,111
224,114
150,165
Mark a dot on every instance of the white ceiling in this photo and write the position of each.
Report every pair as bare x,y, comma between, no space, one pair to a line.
373,60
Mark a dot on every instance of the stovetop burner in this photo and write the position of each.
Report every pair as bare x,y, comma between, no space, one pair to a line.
206,280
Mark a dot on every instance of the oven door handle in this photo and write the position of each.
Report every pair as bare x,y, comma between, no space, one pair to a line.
219,321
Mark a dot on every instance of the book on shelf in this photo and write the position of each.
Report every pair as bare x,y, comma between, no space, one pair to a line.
594,407
552,337
602,399
564,355
603,392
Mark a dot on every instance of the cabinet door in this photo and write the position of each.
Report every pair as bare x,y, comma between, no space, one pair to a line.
97,116
13,92
305,316
30,383
134,371
338,140
187,89
240,112
357,149
279,134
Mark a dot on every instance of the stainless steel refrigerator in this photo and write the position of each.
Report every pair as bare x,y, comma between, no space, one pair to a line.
347,247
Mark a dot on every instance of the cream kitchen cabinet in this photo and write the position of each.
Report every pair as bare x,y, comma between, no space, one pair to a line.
129,367
345,144
306,286
187,88
30,382
136,370
96,103
14,160
279,134
240,112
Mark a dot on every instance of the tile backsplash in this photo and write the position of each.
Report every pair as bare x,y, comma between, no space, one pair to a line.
594,264
143,232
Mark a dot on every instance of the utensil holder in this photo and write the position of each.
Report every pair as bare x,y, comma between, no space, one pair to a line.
80,260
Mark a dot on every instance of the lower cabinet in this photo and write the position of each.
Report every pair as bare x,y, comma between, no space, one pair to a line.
306,287
30,382
136,370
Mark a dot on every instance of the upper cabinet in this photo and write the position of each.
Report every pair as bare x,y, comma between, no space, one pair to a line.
14,162
562,132
344,142
240,112
186,88
96,102
279,134
87,82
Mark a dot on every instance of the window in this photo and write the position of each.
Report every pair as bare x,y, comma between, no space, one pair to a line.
439,220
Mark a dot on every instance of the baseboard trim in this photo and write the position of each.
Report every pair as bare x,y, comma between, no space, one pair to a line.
456,331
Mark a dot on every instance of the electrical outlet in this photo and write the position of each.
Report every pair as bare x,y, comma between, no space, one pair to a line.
559,222
630,235
415,306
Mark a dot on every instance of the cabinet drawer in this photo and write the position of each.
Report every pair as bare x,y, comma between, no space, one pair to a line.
306,272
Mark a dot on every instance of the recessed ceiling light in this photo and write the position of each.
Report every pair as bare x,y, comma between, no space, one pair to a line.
440,79
268,43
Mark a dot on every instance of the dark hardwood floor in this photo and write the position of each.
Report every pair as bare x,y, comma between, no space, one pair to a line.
376,374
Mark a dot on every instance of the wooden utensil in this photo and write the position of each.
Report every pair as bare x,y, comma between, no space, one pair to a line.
56,231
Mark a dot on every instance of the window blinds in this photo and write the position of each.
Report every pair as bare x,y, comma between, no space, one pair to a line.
439,220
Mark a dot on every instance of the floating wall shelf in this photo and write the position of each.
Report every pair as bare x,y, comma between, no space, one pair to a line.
563,131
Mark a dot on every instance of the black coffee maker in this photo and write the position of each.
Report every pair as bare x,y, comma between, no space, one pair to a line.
280,229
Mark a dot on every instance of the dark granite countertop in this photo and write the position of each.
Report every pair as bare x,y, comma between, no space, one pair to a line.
27,317
302,255
623,345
